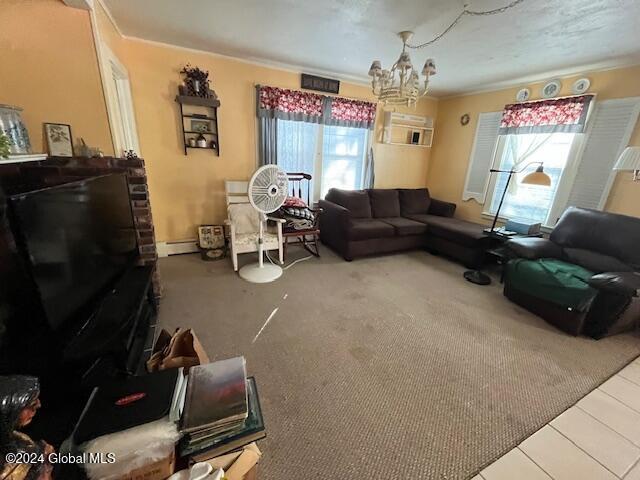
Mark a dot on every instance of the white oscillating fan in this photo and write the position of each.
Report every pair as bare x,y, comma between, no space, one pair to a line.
267,192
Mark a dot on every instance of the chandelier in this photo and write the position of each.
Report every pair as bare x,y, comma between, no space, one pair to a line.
401,84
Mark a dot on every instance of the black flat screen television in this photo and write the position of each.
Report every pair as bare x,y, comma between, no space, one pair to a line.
77,238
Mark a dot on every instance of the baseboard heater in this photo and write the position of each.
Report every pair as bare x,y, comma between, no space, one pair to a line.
177,248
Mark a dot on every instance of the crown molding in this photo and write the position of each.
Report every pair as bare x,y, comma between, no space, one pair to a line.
106,10
542,77
362,81
287,67
81,4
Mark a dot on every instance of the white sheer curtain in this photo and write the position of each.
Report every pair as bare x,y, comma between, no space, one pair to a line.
296,146
531,202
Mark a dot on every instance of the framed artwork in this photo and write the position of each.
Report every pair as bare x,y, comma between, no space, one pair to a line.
200,126
59,140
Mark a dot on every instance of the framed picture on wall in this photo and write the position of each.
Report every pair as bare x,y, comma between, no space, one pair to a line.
59,140
200,126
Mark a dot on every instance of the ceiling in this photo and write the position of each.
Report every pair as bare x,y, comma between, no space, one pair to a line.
340,38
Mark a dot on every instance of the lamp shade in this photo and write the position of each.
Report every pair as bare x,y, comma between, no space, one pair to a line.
537,178
629,159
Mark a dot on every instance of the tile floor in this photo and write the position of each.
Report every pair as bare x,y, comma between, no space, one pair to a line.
597,438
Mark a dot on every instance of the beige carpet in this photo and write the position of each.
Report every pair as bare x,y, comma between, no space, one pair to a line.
391,367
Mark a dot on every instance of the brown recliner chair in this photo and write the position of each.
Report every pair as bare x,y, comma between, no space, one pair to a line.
597,256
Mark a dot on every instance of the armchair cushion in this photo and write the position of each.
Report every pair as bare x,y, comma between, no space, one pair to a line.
606,233
414,200
356,201
245,241
384,202
620,283
594,261
244,218
534,247
564,284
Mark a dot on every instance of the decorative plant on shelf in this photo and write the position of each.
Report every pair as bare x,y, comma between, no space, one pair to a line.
196,81
5,146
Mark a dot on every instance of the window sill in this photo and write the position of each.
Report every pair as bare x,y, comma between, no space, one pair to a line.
502,221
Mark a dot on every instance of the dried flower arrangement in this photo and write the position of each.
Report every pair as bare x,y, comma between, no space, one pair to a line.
196,81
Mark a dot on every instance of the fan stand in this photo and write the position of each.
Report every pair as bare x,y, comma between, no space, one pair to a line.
260,272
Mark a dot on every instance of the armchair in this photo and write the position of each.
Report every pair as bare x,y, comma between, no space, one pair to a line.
585,278
243,224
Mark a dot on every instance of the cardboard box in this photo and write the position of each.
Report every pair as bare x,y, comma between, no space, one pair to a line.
240,465
159,470
252,474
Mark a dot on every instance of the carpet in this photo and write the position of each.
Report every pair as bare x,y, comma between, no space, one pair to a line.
386,367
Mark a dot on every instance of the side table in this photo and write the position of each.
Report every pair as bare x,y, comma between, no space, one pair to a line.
497,250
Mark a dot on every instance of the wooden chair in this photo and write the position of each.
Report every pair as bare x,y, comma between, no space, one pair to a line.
307,237
243,224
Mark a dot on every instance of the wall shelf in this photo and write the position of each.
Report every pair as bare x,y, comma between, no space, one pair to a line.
408,144
25,157
212,105
407,130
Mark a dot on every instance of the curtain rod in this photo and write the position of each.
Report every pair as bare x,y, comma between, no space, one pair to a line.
556,98
323,93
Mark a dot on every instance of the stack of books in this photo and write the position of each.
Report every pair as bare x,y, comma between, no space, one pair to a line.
215,406
221,410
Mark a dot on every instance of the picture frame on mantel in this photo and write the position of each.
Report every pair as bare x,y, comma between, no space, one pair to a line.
59,139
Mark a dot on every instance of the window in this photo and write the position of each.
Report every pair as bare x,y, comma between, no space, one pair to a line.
334,155
579,164
530,203
343,152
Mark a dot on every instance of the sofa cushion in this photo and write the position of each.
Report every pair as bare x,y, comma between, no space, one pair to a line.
405,226
365,229
384,202
458,231
414,200
356,201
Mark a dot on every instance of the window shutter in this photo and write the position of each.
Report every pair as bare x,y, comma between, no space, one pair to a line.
481,159
610,130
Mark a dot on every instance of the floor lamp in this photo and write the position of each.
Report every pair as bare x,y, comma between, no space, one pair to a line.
537,177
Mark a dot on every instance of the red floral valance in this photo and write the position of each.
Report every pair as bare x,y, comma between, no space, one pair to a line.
290,102
546,116
287,104
355,113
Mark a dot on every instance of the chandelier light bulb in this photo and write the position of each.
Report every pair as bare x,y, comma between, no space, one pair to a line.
376,68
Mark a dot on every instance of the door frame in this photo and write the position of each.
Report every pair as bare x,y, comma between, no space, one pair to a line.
116,89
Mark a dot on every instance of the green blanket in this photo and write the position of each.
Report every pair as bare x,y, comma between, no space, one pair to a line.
562,283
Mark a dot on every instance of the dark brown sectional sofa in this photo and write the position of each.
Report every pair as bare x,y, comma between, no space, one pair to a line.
356,223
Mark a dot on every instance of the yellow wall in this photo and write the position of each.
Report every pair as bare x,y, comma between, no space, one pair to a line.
189,190
453,142
48,66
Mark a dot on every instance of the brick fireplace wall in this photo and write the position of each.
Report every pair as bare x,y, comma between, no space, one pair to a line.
17,177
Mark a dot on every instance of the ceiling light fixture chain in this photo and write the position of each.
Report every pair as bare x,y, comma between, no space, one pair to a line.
401,84
464,12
